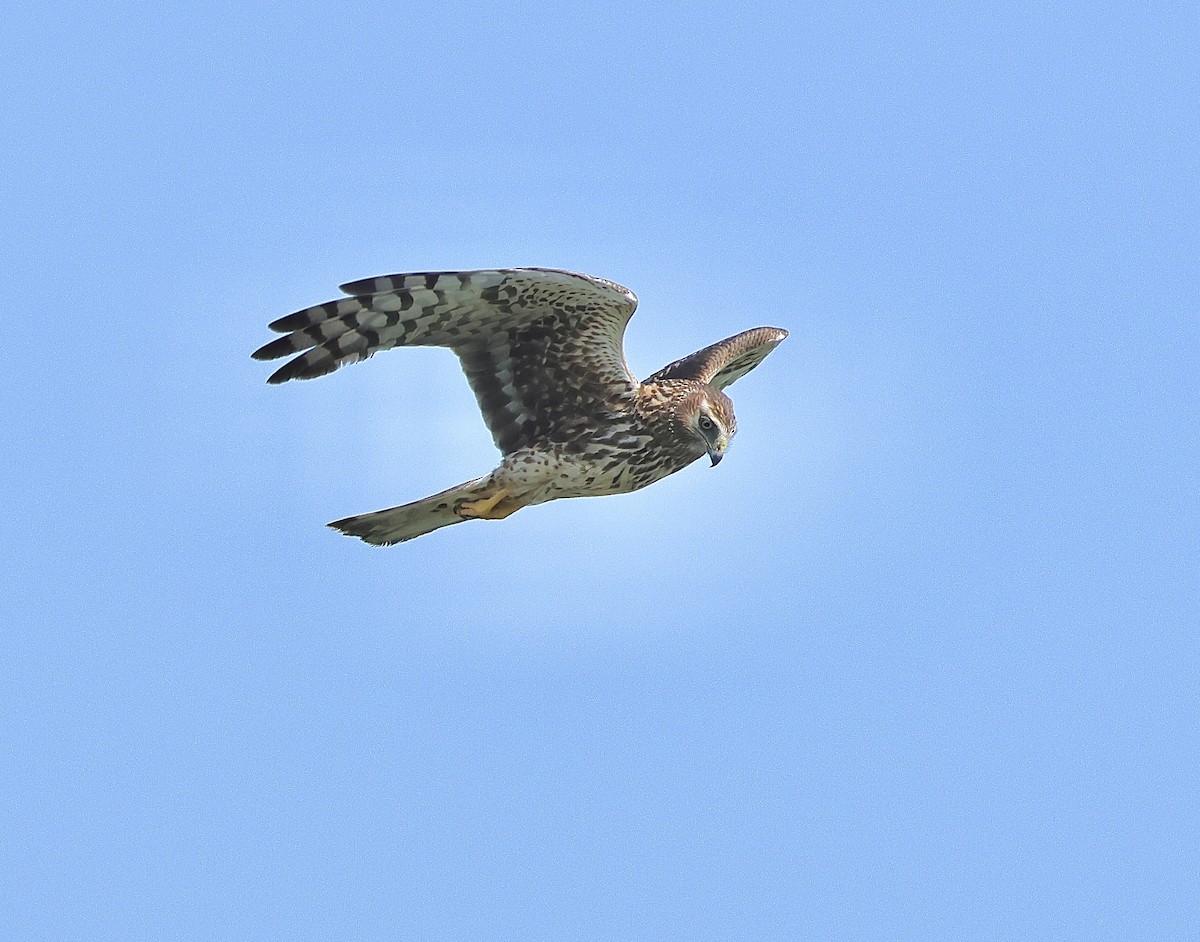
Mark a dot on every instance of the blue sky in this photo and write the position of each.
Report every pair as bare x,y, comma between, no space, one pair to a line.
917,661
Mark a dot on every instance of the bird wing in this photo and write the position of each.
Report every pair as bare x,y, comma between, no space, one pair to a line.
725,361
542,348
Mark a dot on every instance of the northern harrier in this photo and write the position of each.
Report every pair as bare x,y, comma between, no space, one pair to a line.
542,351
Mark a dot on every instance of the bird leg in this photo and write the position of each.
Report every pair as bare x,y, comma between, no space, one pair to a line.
499,504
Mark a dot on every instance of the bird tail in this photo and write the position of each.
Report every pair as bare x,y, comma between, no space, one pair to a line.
408,521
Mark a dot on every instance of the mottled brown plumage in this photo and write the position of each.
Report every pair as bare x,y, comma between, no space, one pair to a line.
542,350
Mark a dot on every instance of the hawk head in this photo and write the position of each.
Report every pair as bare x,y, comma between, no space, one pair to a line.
707,415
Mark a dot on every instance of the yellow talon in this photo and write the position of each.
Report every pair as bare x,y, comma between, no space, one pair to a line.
488,508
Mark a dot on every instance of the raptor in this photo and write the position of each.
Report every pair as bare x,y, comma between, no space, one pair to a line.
542,350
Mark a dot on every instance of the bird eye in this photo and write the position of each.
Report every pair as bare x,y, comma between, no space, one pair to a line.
706,423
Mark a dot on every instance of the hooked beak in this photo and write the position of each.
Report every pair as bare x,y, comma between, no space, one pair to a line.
716,451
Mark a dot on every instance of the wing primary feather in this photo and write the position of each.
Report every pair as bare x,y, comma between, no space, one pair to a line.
726,360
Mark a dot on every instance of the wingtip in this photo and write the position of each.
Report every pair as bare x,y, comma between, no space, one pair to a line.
283,374
280,347
287,323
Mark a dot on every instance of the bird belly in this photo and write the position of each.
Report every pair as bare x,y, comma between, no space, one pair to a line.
542,476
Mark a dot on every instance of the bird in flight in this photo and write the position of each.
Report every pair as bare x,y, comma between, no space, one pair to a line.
542,350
